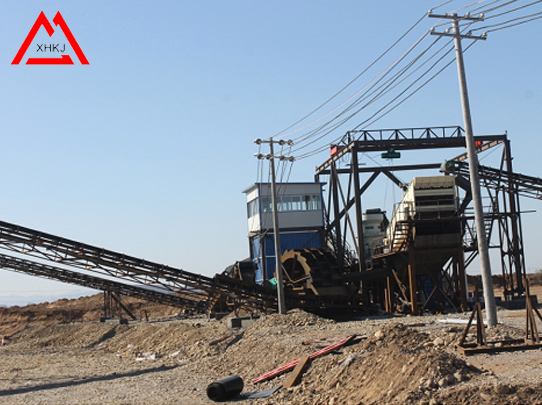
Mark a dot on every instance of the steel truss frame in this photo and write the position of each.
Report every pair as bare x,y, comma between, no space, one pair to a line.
344,210
98,283
220,290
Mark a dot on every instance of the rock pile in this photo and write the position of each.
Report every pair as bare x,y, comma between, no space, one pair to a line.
413,362
396,364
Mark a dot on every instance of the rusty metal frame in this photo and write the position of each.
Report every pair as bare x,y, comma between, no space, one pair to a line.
112,265
502,185
532,340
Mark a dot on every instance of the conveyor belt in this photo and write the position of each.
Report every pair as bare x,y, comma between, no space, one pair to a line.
527,186
143,272
98,283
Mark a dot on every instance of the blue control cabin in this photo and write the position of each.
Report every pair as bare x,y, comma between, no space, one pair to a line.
301,222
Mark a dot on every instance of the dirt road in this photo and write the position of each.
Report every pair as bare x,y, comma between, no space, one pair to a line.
395,360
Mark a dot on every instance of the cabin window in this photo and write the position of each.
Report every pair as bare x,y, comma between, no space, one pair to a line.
308,202
296,203
252,208
316,202
266,204
285,204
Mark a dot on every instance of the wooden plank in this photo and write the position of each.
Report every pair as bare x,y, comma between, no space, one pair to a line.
402,288
466,331
509,342
287,367
412,281
485,349
295,375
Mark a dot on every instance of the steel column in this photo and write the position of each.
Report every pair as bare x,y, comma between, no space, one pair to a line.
359,212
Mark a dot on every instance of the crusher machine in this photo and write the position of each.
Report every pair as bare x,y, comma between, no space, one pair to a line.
334,257
424,235
337,257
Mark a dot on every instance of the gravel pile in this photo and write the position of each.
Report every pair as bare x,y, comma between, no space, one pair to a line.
401,360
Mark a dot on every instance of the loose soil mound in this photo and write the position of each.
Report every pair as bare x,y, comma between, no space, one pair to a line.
84,309
182,340
294,318
411,362
499,393
394,365
81,334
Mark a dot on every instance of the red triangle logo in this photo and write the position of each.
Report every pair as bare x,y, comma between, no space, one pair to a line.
64,59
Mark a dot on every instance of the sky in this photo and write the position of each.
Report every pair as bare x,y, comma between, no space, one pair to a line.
147,149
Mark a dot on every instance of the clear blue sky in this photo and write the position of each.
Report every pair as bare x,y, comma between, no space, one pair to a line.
147,149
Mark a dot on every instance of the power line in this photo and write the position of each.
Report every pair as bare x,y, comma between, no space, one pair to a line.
348,84
485,11
467,6
394,75
486,5
365,95
513,10
324,147
443,4
331,125
513,25
504,25
326,127
389,103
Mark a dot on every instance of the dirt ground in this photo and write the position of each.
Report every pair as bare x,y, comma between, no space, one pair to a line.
171,359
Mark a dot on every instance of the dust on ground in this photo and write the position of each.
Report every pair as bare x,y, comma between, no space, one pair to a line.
171,359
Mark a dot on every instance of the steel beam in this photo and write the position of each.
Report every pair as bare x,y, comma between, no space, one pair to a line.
71,277
143,272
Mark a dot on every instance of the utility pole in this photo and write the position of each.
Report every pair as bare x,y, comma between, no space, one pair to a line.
483,251
276,229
